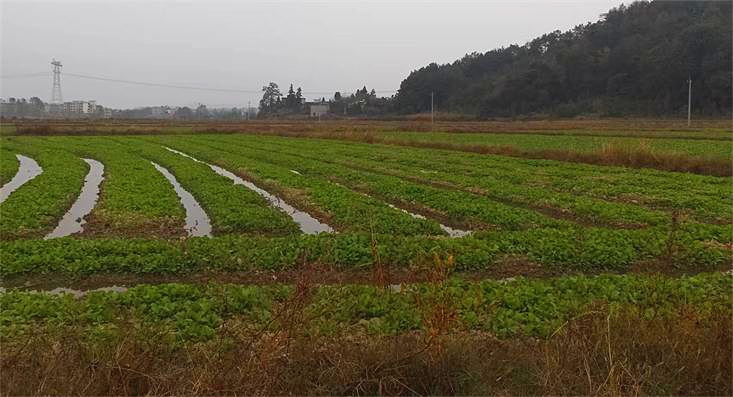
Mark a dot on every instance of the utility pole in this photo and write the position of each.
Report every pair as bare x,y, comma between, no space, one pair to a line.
689,100
432,110
249,106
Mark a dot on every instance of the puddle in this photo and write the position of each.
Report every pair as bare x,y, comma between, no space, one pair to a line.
76,292
307,223
197,222
27,170
73,220
451,231
80,293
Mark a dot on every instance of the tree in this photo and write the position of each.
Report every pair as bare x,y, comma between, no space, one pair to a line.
299,97
290,100
184,113
634,61
202,112
270,98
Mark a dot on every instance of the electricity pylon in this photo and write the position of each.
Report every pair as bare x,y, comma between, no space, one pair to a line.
56,91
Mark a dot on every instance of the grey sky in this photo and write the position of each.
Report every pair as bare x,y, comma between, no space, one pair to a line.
318,45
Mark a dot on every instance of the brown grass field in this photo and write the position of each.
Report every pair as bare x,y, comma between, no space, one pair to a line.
662,128
595,354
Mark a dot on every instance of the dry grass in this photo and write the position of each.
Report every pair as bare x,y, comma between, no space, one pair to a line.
592,355
651,128
636,157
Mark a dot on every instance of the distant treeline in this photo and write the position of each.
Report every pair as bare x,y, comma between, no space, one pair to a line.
635,61
360,103
21,107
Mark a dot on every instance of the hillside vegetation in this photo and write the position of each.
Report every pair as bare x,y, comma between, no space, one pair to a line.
635,60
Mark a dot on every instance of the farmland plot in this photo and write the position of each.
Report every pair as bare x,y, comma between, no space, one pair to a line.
596,192
34,208
135,199
461,209
344,209
392,266
359,188
232,208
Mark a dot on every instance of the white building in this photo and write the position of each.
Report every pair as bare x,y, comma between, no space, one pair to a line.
89,107
73,107
80,107
318,109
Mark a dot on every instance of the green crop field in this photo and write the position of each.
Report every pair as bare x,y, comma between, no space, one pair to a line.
708,145
423,241
396,201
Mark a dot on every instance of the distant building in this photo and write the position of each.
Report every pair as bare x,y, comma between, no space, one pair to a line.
318,109
89,107
80,107
73,107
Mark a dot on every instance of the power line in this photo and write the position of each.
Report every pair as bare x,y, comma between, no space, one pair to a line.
150,84
189,87
167,85
24,75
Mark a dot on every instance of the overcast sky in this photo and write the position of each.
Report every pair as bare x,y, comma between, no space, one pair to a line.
322,46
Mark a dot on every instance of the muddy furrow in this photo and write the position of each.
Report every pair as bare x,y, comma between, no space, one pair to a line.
73,221
308,224
198,223
27,170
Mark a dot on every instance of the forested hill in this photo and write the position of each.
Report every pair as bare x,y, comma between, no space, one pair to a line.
634,61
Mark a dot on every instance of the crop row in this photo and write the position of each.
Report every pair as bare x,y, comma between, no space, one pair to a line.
563,205
134,200
460,208
412,171
653,189
137,201
8,166
695,247
342,208
32,210
232,208
350,186
520,307
579,188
